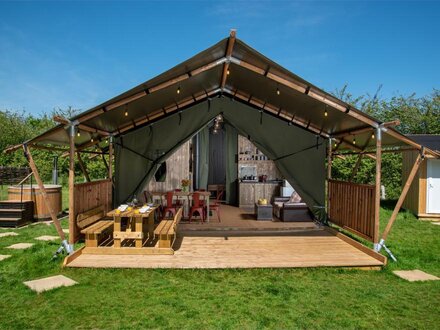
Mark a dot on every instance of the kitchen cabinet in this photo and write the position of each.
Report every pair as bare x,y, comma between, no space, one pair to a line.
250,193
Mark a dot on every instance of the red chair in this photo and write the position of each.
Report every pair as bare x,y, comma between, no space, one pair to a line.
215,206
197,207
170,208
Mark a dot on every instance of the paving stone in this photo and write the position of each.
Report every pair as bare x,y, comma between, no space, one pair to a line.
4,256
8,233
415,275
20,246
49,283
47,238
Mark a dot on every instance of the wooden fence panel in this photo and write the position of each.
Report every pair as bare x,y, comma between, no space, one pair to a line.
351,207
89,195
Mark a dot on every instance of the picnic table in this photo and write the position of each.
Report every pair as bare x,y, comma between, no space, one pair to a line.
139,225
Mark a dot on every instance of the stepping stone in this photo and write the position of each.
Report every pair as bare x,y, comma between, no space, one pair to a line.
49,283
65,231
20,246
8,233
47,238
415,275
4,256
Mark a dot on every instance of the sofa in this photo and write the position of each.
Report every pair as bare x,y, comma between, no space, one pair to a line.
290,211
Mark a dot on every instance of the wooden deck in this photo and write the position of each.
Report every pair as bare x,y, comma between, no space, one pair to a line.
215,249
234,218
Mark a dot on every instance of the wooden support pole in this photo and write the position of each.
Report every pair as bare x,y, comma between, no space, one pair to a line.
329,172
377,185
329,159
110,159
356,168
72,220
83,167
405,190
53,215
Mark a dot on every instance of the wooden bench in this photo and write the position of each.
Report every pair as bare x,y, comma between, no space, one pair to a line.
95,229
166,230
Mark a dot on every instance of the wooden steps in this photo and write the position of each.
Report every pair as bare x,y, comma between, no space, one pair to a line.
16,213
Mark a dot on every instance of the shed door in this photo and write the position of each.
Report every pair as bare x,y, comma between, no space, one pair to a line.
433,186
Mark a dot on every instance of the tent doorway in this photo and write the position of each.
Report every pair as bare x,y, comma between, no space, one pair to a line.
217,157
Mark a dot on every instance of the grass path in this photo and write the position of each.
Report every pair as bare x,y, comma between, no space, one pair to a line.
251,298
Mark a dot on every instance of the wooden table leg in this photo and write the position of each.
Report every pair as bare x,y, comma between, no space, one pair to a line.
117,227
138,228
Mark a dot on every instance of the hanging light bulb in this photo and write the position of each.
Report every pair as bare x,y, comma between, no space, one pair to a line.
78,134
91,140
227,72
178,90
126,111
325,112
354,140
278,92
336,144
372,136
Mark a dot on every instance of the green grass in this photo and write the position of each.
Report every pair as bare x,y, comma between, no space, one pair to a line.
252,298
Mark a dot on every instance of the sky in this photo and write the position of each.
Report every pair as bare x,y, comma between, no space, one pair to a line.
80,54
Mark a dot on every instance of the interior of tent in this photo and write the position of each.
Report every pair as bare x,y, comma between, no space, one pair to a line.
228,130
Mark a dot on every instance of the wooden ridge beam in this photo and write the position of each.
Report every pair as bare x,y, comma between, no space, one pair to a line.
229,49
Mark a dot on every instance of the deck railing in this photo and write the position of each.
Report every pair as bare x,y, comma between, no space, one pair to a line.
351,207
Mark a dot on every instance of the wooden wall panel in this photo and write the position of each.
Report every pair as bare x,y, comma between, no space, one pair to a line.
264,167
352,208
177,169
415,200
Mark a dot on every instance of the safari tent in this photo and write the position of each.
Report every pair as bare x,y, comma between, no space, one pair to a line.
294,123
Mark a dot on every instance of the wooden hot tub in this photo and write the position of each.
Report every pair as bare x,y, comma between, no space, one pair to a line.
40,209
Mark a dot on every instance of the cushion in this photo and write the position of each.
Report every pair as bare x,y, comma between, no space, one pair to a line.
295,198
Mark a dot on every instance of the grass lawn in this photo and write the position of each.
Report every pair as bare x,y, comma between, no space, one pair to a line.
253,298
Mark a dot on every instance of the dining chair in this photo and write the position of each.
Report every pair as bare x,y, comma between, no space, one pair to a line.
170,207
197,207
216,203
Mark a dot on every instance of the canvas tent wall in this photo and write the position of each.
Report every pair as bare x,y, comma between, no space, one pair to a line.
299,154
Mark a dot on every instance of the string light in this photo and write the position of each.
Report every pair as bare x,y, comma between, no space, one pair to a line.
78,134
325,112
126,111
91,140
278,92
354,140
227,72
178,90
372,136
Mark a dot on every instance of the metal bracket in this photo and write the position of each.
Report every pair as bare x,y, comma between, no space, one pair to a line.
64,247
380,245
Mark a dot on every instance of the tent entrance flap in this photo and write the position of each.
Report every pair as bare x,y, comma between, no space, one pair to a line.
297,153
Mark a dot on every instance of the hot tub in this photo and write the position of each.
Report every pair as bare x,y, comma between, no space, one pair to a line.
41,211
